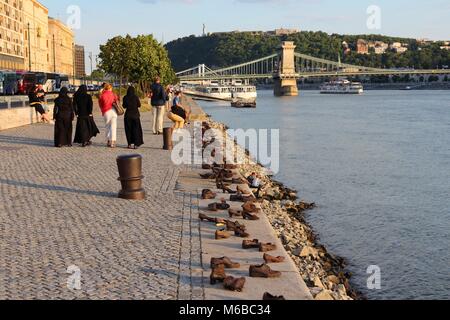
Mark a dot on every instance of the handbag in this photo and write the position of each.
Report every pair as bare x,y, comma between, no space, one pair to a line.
119,109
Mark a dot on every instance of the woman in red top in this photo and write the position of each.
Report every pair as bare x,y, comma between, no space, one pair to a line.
106,102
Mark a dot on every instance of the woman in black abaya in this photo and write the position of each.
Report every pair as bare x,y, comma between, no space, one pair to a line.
63,115
86,127
133,127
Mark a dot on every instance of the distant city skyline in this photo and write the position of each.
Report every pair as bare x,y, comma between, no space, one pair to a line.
171,19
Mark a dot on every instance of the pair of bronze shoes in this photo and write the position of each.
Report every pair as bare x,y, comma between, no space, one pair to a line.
255,244
204,217
245,215
239,229
263,271
218,206
218,274
208,194
251,207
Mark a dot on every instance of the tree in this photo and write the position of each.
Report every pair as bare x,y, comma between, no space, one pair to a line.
97,75
136,59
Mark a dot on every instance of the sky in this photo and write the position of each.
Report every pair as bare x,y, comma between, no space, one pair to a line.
167,20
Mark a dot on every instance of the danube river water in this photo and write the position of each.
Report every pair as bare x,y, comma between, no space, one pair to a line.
378,166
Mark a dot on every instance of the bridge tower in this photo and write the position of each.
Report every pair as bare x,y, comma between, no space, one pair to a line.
286,78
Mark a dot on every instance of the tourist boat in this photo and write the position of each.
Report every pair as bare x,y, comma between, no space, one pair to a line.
342,86
244,92
214,91
211,92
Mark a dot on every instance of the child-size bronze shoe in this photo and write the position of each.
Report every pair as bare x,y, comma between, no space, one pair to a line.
250,244
250,216
271,259
263,271
235,213
266,247
208,194
226,262
234,284
220,235
217,274
269,297
206,167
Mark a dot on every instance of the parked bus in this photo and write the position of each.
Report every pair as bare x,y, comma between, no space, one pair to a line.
51,82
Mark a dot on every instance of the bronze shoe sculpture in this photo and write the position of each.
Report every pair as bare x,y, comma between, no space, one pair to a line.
208,194
231,226
206,166
241,233
271,259
250,216
234,284
226,189
250,244
217,274
208,176
213,207
225,261
269,297
250,207
235,213
221,235
204,217
263,271
266,247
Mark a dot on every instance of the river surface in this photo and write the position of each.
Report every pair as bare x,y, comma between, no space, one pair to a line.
378,166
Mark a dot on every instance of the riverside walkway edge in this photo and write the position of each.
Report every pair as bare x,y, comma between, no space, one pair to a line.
59,209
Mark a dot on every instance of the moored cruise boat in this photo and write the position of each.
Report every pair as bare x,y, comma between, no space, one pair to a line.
244,92
342,86
212,92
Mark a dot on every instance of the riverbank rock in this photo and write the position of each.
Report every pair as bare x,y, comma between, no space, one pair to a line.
324,295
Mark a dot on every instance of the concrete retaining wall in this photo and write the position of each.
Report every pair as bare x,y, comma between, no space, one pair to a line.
16,112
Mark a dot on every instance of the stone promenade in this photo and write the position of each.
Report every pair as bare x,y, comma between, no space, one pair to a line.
58,208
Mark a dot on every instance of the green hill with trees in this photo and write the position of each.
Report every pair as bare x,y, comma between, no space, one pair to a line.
226,49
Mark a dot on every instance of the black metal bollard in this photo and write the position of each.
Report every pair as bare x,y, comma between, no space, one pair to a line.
130,172
167,135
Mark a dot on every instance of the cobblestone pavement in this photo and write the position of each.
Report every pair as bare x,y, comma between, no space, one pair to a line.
58,208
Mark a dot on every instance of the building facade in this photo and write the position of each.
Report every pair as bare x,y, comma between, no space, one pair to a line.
35,32
11,35
80,62
31,41
63,48
362,47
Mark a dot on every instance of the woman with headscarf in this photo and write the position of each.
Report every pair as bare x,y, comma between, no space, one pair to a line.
63,115
86,127
133,127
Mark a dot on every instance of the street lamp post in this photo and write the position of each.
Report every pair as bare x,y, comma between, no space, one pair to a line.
90,58
29,46
54,54
73,62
